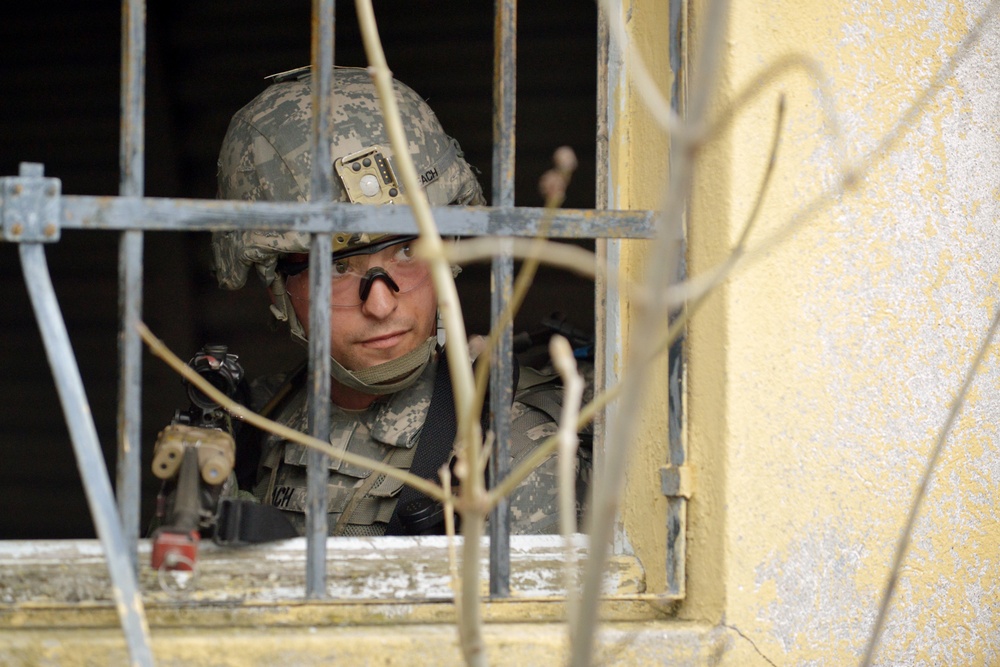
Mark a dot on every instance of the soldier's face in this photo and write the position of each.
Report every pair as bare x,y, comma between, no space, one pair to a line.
385,326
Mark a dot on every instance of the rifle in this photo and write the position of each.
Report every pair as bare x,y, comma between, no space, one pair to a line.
194,456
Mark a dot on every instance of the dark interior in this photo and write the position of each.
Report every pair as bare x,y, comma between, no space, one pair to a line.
60,83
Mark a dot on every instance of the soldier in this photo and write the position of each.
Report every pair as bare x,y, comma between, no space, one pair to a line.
385,356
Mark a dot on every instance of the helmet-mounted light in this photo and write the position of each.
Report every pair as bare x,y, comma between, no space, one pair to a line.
368,178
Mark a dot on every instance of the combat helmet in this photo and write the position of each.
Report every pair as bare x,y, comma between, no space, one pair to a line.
265,156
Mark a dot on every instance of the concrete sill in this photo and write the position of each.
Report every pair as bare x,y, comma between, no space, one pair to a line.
359,570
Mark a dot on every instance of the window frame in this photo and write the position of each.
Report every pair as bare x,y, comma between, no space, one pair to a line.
132,214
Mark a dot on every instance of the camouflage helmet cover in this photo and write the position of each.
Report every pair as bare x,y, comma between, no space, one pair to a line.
266,156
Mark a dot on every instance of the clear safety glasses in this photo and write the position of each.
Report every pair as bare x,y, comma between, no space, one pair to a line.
355,271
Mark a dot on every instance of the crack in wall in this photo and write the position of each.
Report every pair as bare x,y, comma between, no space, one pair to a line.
752,643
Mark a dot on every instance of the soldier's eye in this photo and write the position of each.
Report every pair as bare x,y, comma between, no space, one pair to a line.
404,253
341,268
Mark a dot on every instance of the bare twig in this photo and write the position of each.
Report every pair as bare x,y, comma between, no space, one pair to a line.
562,359
565,364
473,487
904,539
430,239
520,289
449,530
666,248
552,253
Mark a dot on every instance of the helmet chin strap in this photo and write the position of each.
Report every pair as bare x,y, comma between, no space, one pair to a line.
390,376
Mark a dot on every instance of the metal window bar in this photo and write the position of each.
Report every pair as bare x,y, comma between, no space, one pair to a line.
606,311
611,65
150,214
321,191
132,183
32,211
676,504
501,375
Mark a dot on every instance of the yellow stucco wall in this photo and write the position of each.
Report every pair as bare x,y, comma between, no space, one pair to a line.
820,375
818,378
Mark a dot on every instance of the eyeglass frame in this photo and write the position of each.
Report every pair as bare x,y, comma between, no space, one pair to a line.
289,268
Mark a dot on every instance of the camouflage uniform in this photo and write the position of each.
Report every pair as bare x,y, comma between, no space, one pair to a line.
389,431
266,156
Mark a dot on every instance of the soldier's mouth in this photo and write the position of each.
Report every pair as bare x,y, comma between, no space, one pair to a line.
384,341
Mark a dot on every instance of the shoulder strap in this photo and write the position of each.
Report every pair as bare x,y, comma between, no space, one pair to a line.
434,449
437,439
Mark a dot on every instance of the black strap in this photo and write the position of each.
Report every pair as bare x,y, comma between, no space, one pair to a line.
434,449
248,522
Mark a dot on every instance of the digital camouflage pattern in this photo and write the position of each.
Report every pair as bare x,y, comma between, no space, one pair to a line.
534,504
389,431
266,156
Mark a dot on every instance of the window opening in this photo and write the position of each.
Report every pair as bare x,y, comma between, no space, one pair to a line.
133,214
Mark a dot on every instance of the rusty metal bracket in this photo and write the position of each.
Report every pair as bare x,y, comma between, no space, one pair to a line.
677,481
29,206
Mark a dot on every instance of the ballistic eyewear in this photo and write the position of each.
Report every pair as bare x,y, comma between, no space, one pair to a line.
355,271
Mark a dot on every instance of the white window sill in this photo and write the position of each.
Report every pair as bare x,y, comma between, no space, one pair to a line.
387,569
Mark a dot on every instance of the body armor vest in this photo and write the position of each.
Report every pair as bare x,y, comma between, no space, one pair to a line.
360,502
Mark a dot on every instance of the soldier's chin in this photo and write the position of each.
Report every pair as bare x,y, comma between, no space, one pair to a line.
371,357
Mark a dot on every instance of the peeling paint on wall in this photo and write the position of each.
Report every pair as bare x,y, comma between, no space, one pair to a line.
847,344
